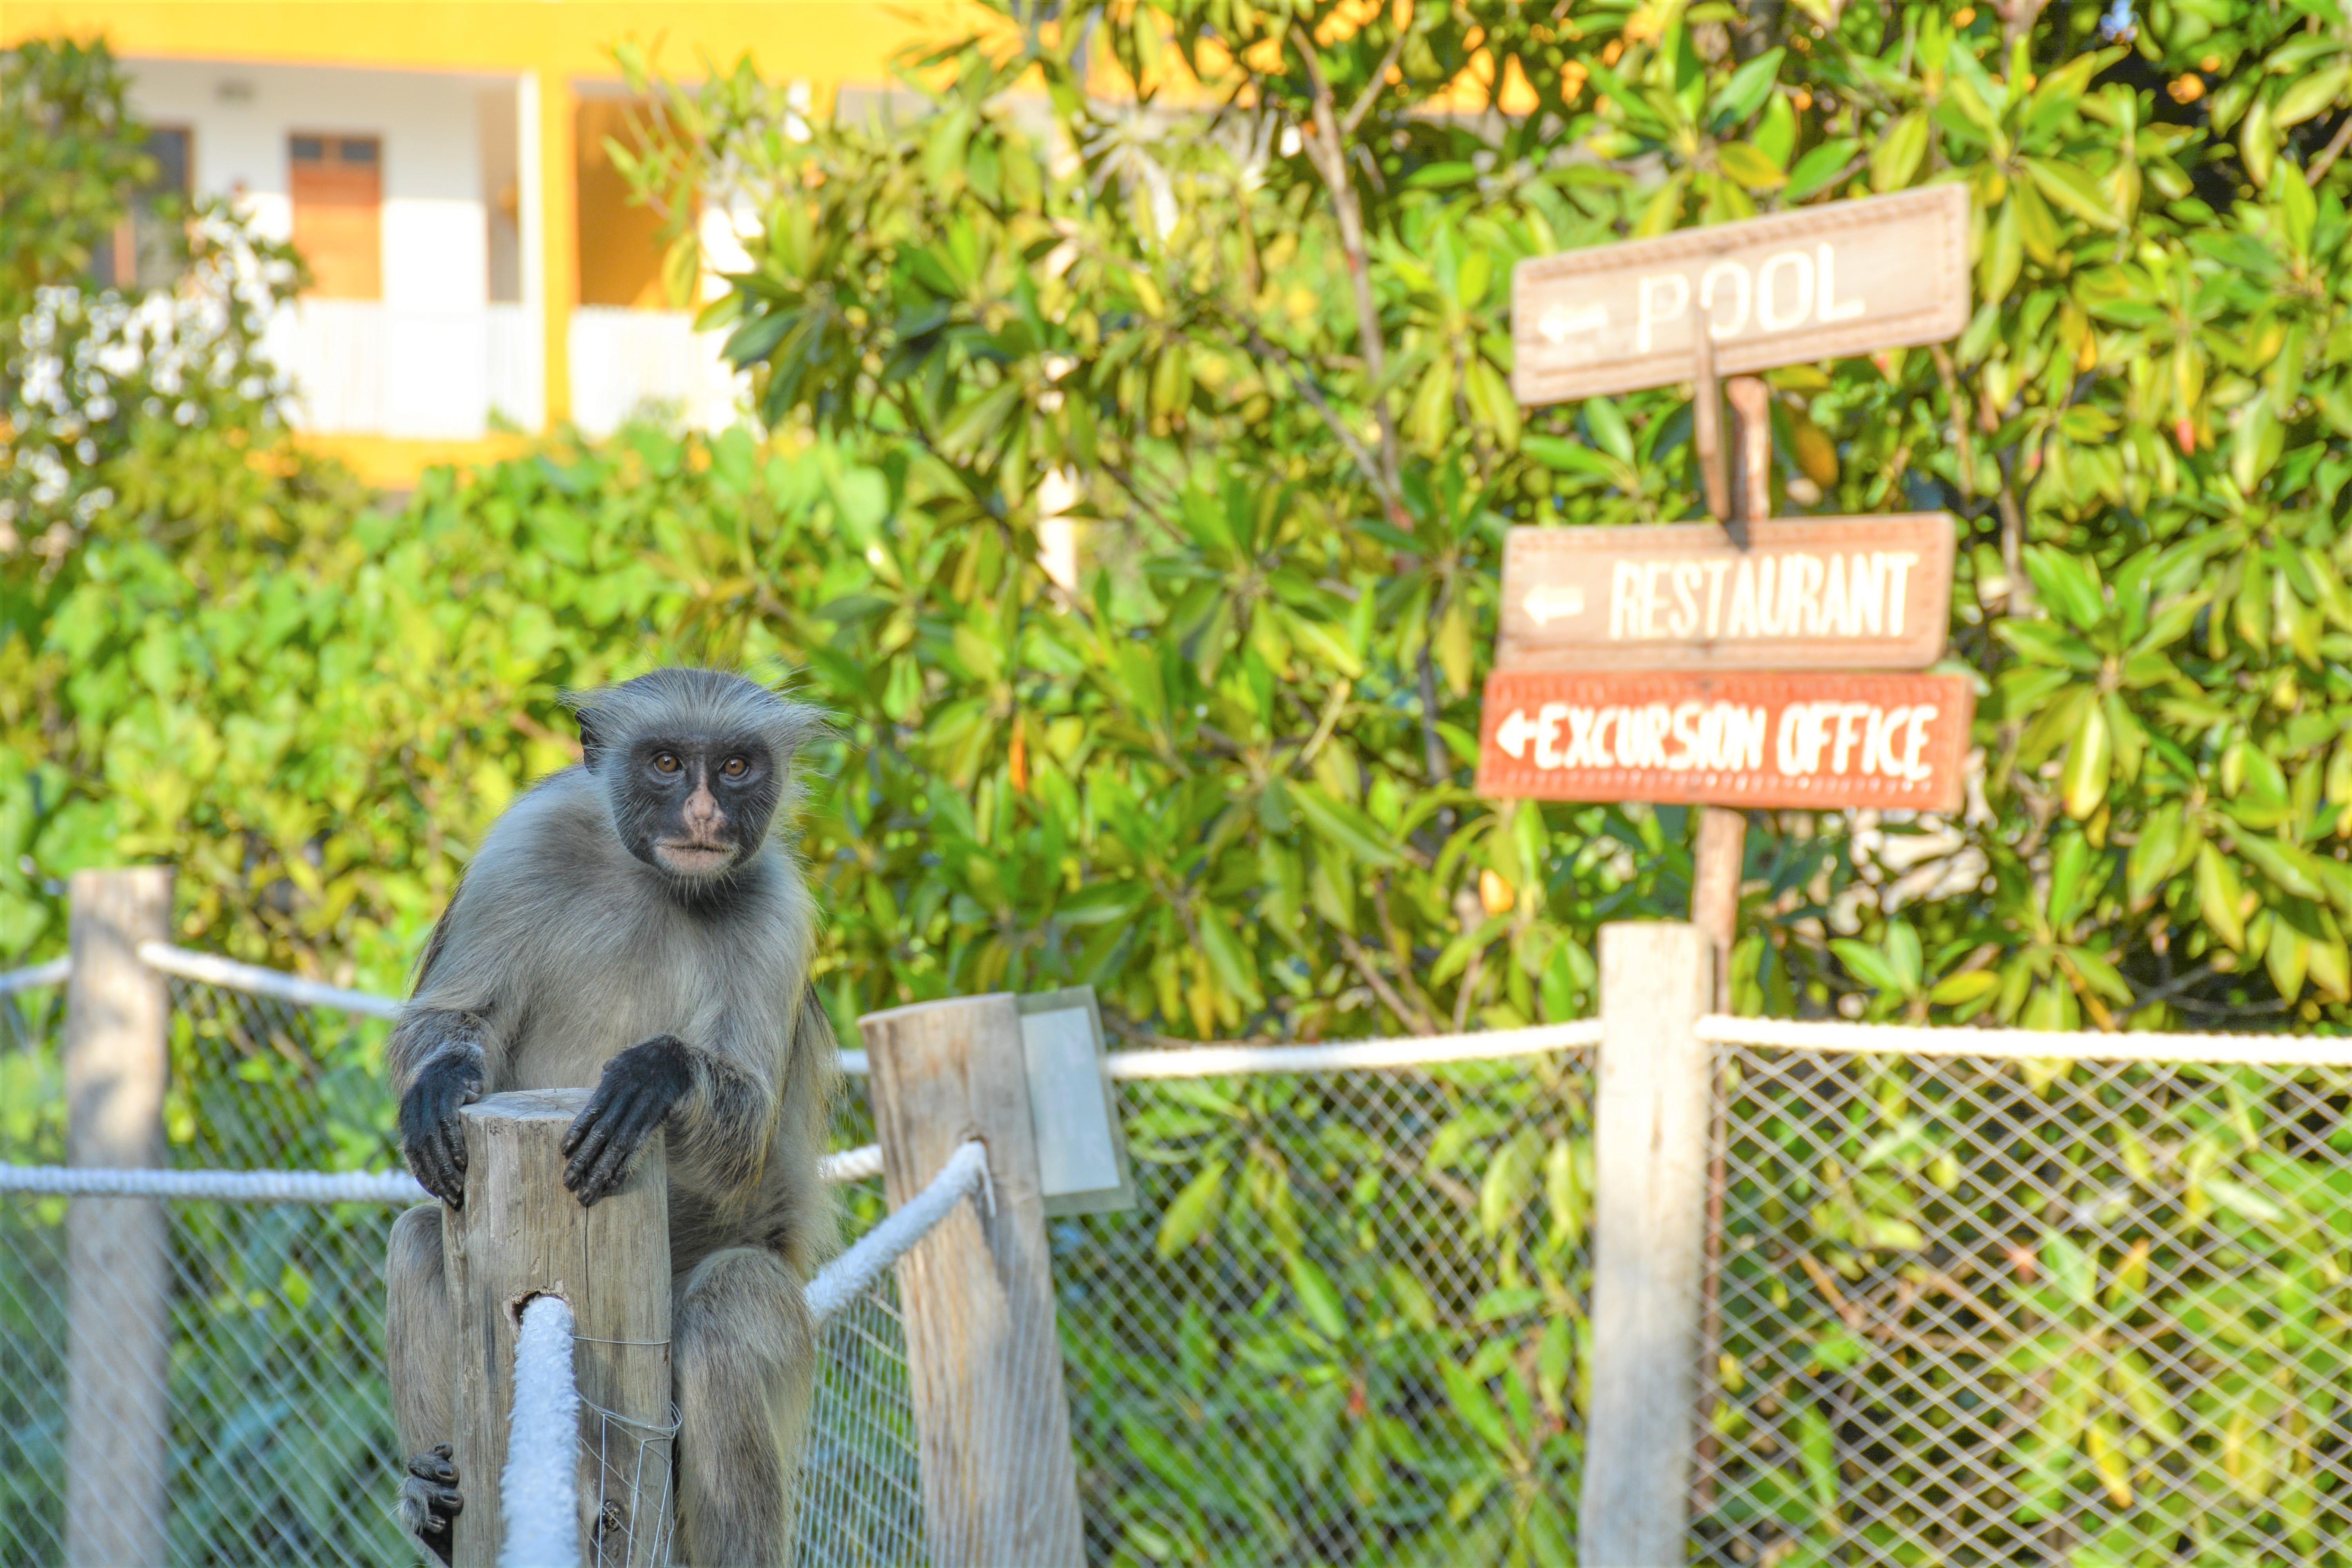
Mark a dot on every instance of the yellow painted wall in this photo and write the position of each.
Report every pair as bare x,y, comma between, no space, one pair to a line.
823,42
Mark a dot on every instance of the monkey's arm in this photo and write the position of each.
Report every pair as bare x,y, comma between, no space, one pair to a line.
436,1060
720,1114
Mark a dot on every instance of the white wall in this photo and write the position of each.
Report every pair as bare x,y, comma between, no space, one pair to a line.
427,357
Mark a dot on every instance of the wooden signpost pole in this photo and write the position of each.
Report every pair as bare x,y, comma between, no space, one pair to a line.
1745,663
1720,859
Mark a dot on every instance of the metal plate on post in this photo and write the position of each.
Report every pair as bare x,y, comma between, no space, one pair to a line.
1839,592
1845,277
1818,741
1082,1165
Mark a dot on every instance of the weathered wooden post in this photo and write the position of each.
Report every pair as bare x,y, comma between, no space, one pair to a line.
521,1235
1650,1154
118,1250
983,1353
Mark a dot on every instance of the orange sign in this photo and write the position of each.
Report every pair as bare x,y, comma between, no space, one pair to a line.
1867,593
1818,741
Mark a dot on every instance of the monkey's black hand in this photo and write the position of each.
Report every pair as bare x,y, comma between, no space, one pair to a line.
429,1500
432,1137
638,1088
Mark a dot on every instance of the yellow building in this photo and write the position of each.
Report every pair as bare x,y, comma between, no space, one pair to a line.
442,167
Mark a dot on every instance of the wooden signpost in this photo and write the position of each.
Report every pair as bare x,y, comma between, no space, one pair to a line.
1742,663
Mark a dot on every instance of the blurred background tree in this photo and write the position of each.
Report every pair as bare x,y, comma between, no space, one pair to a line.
1222,290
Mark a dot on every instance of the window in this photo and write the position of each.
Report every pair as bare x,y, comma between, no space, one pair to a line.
337,190
141,253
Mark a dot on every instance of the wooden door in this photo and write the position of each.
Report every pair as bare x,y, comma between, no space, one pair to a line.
337,190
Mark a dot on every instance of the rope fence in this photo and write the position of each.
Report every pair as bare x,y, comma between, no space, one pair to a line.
539,1491
1970,1296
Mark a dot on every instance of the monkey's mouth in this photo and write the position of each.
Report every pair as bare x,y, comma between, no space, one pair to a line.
692,859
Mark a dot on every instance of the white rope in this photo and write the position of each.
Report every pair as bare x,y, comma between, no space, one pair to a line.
215,969
539,1490
852,1165
849,1276
2023,1044
298,1186
1409,1050
54,973
235,1187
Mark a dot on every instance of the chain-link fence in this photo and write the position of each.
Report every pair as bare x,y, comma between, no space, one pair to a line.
1343,1324
1964,1312
1983,1311
281,1443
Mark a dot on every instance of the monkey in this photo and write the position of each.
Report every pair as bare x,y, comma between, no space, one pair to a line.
631,925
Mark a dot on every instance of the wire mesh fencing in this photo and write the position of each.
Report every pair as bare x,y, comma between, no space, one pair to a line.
282,1448
1342,1326
1977,1311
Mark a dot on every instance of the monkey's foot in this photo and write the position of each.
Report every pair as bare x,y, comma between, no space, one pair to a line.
429,1499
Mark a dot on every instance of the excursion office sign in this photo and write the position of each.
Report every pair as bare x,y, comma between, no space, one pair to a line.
1737,739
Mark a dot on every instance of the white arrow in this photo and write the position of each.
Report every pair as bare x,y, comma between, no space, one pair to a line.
1560,322
1553,602
1514,733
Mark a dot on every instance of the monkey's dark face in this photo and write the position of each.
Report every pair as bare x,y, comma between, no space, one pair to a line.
694,807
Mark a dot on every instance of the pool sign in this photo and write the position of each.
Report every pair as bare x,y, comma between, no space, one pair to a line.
1820,741
1845,277
1846,593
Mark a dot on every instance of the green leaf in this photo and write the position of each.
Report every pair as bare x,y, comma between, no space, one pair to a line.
1745,92
2083,783
2072,1275
1898,154
2076,192
1750,166
1819,167
1469,1399
1344,826
1194,1212
2244,1201
2218,895
2310,95
1318,1298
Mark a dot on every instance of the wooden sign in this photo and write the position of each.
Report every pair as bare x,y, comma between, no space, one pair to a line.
1818,741
1837,593
1841,278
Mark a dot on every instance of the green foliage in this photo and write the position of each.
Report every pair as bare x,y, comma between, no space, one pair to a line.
1251,261
149,410
2006,1310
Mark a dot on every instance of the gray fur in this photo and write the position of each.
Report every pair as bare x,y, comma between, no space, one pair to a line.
562,949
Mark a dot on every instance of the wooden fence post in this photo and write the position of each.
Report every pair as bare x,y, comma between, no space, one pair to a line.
118,1250
521,1235
1650,1137
983,1353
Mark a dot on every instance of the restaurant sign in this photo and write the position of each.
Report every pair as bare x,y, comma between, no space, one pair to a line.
1852,592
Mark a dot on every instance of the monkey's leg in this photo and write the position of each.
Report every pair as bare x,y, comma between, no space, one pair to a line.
745,1360
420,1353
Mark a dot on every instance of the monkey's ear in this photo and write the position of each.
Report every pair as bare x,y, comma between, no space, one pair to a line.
591,741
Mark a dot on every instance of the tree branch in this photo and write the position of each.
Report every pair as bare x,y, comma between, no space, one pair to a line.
1264,347
1330,156
2329,153
1364,101
1411,1017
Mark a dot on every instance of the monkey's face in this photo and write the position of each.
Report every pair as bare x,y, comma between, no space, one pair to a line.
694,806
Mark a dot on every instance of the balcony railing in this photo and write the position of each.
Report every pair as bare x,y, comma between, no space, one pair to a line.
362,367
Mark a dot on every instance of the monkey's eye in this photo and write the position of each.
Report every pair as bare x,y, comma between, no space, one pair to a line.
666,762
735,767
